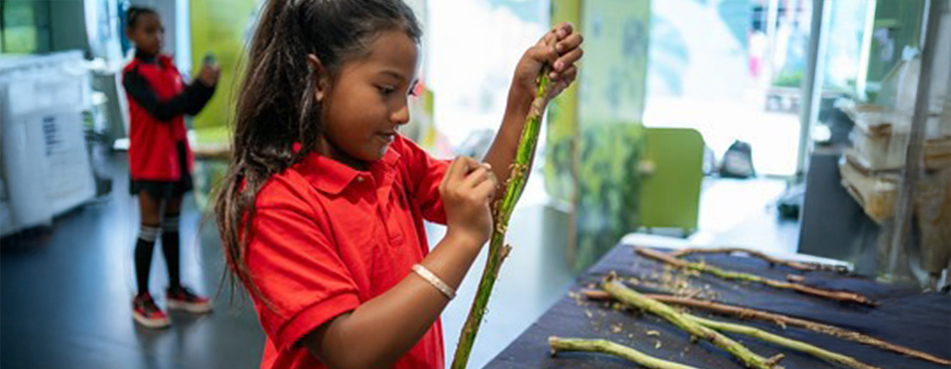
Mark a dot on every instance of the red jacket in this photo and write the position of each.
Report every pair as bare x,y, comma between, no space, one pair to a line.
158,102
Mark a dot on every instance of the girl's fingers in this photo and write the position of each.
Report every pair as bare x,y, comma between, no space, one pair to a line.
567,75
458,170
485,190
570,74
568,60
454,169
563,80
447,177
557,33
549,39
571,42
474,179
470,165
543,54
563,30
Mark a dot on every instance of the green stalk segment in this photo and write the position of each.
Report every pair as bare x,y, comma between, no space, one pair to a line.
782,341
633,298
502,211
607,347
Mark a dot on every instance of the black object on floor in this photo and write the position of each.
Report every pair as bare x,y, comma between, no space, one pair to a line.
905,317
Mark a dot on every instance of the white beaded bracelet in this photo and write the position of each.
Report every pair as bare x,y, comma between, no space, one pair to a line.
435,281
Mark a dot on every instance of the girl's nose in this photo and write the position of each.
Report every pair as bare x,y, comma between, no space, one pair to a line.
401,115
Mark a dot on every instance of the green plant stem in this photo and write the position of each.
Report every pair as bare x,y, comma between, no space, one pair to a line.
634,298
782,341
502,211
607,347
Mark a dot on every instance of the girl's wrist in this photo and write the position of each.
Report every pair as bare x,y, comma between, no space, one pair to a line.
467,240
517,108
520,99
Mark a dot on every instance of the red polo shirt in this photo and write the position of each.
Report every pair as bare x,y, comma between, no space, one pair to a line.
328,238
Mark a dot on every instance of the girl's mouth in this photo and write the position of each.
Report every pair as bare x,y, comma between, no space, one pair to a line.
387,137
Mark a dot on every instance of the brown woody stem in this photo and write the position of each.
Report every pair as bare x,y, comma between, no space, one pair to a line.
770,259
730,275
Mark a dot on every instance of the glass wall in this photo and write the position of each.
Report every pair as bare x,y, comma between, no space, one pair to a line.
731,69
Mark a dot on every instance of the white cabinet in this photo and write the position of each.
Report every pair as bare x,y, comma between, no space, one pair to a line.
46,167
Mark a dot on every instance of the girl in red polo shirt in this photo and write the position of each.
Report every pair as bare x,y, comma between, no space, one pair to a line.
321,214
159,159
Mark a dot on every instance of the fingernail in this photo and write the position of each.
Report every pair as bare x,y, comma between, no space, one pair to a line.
552,75
558,47
559,66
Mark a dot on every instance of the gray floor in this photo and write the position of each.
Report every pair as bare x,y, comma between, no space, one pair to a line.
66,296
66,291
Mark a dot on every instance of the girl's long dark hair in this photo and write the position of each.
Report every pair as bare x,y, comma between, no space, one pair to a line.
276,104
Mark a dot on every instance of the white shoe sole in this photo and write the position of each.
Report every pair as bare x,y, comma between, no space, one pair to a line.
189,307
151,323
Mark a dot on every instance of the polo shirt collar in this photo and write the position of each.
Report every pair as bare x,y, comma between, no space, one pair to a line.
332,177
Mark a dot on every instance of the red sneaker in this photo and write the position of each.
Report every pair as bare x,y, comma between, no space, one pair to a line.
147,314
182,298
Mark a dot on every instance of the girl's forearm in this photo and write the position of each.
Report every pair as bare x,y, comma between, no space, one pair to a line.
502,152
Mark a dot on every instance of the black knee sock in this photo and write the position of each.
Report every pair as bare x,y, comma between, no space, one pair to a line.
170,246
143,255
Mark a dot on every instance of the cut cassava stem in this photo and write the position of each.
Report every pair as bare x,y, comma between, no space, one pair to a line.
607,347
724,274
618,290
634,298
502,210
731,250
782,341
783,321
770,259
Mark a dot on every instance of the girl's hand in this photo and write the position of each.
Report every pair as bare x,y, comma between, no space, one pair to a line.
208,75
467,190
561,49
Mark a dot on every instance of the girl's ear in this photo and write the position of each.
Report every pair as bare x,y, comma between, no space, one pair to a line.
322,75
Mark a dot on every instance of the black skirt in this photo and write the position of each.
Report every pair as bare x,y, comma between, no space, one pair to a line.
166,190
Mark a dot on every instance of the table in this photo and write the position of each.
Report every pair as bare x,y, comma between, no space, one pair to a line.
904,316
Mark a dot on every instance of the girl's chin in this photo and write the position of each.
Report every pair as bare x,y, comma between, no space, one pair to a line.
374,154
381,152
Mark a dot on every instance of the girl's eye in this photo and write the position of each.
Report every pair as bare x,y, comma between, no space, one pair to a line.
386,90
